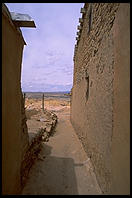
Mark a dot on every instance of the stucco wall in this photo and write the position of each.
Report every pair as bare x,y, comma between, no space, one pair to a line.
92,109
12,48
121,105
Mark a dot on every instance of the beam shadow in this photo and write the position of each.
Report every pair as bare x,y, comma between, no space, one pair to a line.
52,176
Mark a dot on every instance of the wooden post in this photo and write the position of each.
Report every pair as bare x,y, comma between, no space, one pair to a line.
43,102
24,96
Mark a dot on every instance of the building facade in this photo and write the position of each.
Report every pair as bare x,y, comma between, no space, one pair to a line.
14,128
100,94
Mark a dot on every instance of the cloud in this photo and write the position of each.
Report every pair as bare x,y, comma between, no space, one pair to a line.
46,88
48,55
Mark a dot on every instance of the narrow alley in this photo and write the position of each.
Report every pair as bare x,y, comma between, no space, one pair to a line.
66,98
63,168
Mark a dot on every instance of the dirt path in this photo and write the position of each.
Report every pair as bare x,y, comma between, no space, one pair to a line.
65,170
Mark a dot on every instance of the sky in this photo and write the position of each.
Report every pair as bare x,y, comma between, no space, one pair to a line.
47,64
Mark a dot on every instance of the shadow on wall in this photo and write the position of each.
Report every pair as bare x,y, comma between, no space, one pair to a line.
52,176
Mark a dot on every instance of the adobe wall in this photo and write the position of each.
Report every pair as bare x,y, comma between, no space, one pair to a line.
12,135
92,108
121,106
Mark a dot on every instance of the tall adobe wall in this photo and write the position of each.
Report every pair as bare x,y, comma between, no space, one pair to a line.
14,128
93,98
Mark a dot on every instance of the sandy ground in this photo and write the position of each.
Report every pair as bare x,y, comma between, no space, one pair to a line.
49,104
65,168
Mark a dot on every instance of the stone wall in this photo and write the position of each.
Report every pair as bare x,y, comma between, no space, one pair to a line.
45,123
24,140
24,130
92,113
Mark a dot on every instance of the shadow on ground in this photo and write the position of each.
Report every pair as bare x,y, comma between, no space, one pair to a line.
52,176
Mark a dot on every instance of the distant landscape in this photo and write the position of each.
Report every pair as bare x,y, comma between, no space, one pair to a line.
48,95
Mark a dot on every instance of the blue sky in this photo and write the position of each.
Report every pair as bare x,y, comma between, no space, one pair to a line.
48,56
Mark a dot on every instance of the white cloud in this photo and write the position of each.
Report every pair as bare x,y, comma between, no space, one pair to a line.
48,56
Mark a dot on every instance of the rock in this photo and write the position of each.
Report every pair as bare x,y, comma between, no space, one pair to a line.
40,157
37,135
47,139
53,123
42,130
62,104
43,138
45,135
48,128
42,120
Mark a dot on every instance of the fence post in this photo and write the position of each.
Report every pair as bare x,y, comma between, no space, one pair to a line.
24,96
43,102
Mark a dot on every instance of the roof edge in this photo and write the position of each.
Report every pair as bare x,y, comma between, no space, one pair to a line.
6,13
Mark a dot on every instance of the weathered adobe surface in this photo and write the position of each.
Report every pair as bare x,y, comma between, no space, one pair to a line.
24,129
92,93
103,15
39,126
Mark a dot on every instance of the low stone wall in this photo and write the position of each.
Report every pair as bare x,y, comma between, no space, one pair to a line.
24,131
41,134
